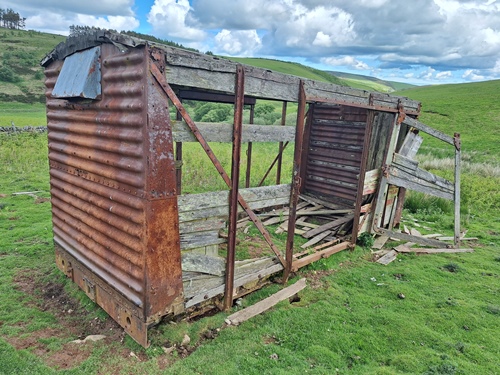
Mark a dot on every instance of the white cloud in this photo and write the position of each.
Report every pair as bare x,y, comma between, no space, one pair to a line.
348,61
427,74
169,18
471,75
237,43
444,75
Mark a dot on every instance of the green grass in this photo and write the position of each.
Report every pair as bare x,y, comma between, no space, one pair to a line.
22,115
291,68
470,109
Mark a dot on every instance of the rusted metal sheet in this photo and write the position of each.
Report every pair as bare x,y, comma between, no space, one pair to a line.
113,187
335,149
80,76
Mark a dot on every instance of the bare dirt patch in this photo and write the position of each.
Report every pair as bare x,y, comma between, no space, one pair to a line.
72,323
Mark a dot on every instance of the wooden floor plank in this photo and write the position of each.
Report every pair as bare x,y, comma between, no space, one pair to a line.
265,304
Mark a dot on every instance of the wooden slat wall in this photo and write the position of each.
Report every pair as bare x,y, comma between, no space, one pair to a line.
201,216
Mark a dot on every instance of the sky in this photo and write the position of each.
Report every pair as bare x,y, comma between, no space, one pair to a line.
418,41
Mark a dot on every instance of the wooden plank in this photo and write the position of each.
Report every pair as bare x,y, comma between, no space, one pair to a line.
205,290
407,237
189,202
325,253
330,225
432,235
216,132
456,195
200,239
316,239
388,258
264,305
404,179
327,244
323,202
202,263
415,232
433,251
427,129
371,181
444,238
380,242
274,220
410,145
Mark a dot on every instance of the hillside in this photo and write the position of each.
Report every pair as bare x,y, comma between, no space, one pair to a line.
471,109
370,83
21,77
291,68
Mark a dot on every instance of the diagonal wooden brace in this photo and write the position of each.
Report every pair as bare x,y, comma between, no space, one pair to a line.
177,103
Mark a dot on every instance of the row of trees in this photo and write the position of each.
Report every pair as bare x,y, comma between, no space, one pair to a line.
11,19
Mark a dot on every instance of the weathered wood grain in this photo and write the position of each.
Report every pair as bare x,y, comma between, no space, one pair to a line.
266,304
204,264
330,225
325,253
388,258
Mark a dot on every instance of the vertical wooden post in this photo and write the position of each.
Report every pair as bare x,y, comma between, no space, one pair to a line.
457,142
361,178
233,192
296,180
280,154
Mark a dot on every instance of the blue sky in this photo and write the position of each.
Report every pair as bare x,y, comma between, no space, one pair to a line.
418,41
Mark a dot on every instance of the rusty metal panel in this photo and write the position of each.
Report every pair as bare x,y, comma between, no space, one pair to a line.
80,76
114,203
334,151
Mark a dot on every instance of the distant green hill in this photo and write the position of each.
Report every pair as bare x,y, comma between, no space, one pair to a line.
21,77
370,83
471,109
291,68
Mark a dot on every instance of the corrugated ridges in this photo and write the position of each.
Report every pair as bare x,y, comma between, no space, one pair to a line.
97,169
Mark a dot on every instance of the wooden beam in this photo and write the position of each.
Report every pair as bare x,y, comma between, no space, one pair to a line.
427,129
402,249
216,132
264,305
325,253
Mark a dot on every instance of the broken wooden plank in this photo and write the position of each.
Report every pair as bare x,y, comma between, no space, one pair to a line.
388,258
432,235
461,238
327,204
327,226
432,251
203,263
371,181
325,253
415,232
316,239
380,242
273,220
264,305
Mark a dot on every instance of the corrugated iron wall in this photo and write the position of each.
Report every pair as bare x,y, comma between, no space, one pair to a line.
334,151
97,172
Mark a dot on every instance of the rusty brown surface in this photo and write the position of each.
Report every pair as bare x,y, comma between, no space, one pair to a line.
335,151
233,192
113,187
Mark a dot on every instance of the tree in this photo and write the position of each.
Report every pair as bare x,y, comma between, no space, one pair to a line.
11,19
